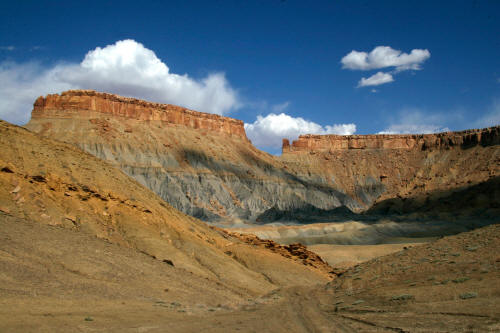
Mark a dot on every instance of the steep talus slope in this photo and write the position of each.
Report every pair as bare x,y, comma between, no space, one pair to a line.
205,166
57,184
182,155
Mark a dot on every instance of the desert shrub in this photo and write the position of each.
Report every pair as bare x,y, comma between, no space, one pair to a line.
468,295
460,279
402,297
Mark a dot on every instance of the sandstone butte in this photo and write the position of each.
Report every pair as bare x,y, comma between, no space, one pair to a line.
89,103
205,166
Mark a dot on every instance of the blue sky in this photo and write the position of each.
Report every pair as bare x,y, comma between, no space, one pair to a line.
276,65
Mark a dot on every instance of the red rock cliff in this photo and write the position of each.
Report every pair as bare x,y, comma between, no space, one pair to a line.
325,143
91,104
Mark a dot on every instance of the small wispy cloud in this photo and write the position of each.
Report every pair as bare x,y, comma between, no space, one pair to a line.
421,121
376,80
416,121
492,116
7,48
384,57
281,107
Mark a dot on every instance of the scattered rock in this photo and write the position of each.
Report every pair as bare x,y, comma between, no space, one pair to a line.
5,210
39,178
7,170
168,261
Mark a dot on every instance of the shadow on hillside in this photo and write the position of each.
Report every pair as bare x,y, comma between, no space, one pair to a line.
481,201
245,172
478,203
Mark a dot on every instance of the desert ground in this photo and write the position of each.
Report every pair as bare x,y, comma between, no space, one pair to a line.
59,280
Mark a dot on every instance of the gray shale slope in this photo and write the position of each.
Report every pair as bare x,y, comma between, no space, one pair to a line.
205,166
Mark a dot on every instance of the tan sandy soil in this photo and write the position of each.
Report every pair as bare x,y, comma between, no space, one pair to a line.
350,255
58,280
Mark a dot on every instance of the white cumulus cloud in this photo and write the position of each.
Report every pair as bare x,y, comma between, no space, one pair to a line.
21,84
375,79
126,68
269,131
385,56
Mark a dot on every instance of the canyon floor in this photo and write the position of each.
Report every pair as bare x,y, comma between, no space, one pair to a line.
344,244
50,284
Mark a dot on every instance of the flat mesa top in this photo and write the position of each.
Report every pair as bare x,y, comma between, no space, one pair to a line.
401,136
64,97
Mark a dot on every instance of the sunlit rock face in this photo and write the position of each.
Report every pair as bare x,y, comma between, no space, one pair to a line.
330,143
204,165
88,104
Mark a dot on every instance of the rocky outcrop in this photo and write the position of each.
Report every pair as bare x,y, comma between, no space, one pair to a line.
89,104
325,143
205,166
296,251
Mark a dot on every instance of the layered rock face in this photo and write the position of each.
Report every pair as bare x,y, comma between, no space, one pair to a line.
418,169
205,166
90,104
202,164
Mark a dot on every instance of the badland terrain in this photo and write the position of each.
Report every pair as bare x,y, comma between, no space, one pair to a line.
124,215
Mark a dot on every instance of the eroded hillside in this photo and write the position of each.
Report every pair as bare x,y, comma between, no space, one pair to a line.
205,166
56,184
375,168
